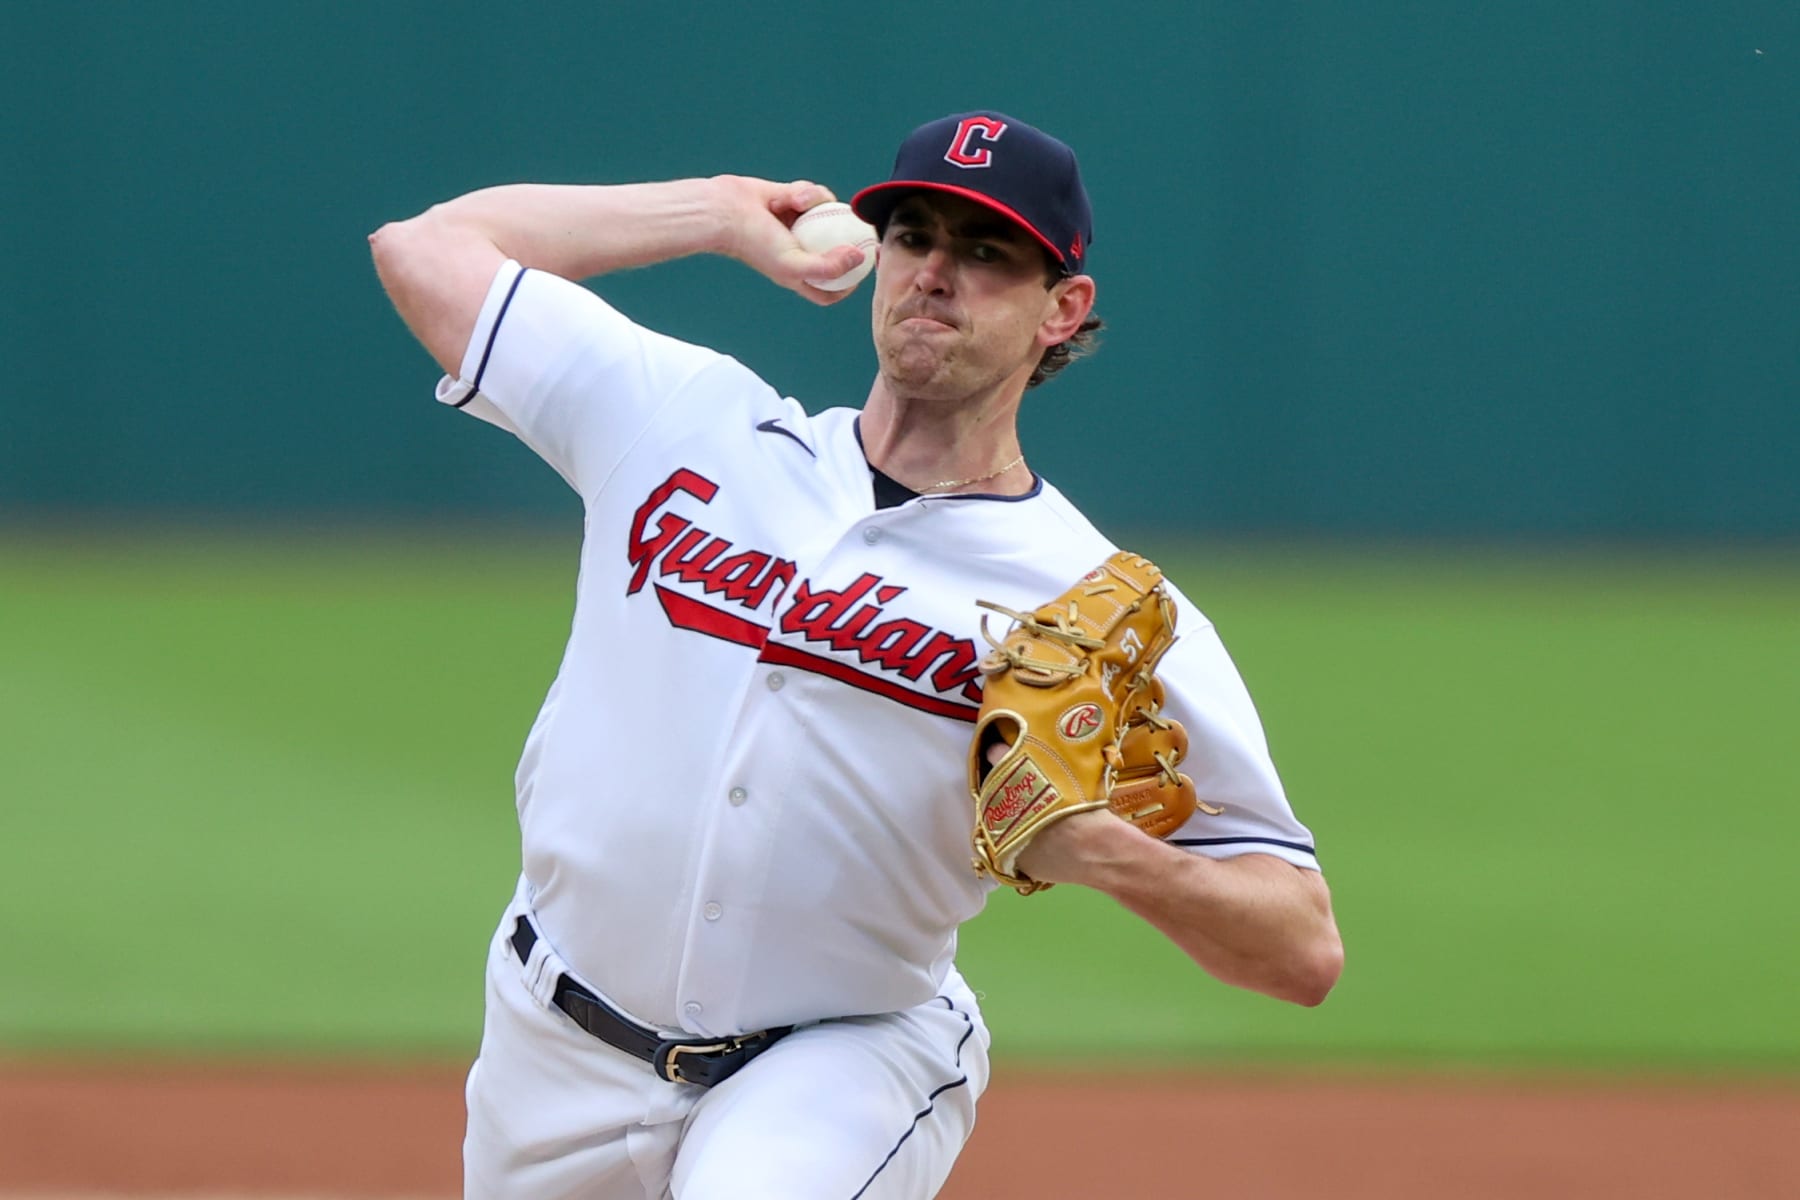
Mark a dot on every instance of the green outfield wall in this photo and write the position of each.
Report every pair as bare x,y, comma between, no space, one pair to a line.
1524,269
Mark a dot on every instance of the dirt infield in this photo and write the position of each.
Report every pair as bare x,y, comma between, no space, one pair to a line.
88,1131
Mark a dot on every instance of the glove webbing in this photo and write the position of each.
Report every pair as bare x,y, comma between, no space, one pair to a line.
1062,630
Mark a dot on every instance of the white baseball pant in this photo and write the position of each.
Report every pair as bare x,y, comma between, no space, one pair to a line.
858,1108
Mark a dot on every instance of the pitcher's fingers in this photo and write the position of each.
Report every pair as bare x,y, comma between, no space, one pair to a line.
795,198
821,297
838,260
820,268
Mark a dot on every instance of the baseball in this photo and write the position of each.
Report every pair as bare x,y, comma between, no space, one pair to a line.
824,226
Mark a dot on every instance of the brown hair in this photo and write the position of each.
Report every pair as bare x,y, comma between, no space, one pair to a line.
1081,343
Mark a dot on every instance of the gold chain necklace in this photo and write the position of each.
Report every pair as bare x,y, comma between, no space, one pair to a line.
951,483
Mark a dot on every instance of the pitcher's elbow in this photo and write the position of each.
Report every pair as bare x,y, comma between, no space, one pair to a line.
386,240
1319,973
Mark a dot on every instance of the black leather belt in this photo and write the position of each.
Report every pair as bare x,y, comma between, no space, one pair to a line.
678,1060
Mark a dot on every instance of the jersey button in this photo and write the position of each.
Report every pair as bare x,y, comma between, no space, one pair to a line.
692,1008
775,681
738,796
871,535
713,912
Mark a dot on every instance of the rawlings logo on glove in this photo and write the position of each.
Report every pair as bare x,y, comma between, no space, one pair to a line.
1072,699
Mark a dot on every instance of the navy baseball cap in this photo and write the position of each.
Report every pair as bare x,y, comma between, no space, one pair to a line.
1020,172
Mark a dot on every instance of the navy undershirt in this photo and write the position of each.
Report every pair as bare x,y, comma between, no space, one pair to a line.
889,491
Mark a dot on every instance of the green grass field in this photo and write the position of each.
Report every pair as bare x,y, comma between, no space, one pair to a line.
257,797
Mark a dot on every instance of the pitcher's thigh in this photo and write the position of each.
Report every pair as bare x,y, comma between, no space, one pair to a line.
866,1108
554,1114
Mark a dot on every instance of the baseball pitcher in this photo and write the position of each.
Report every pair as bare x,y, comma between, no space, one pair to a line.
831,680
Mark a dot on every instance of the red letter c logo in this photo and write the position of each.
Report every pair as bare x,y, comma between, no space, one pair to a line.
987,129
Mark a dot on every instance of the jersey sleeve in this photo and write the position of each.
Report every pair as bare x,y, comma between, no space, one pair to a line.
568,374
1228,755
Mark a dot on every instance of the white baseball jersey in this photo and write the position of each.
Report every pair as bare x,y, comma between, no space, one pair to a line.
744,802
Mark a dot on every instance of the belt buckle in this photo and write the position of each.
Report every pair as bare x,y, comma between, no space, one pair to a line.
668,1055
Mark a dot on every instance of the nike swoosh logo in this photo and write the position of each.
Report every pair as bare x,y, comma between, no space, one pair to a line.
774,426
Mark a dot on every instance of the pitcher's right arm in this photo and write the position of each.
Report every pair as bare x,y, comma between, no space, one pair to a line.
437,266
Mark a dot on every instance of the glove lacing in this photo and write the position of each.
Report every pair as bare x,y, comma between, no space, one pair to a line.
1060,628
1165,760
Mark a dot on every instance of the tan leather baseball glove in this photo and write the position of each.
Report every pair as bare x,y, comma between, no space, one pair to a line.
1071,694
